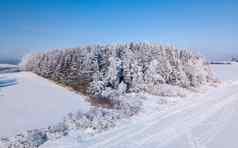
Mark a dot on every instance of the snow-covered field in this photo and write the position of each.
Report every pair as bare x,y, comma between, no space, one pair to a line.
28,101
201,120
208,119
226,72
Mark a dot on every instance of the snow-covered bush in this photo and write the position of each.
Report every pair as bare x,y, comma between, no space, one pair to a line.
29,139
128,104
97,120
94,121
167,90
56,131
138,66
100,119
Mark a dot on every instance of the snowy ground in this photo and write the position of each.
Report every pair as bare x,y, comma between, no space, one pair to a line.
28,101
226,72
203,120
208,119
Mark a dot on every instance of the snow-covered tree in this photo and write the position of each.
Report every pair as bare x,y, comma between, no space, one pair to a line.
138,66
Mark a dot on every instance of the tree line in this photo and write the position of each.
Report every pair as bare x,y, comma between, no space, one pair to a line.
135,67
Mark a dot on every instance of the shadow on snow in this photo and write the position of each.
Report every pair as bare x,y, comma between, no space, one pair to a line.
5,82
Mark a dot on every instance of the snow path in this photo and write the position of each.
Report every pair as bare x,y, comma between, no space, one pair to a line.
160,131
196,122
28,101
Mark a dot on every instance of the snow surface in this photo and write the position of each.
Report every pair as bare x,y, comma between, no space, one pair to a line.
207,119
7,66
227,72
28,101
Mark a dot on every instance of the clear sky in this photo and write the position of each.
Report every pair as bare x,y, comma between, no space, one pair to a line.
208,26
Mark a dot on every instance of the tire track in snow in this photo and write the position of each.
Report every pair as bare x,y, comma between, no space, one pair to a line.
120,135
186,125
215,127
152,117
124,136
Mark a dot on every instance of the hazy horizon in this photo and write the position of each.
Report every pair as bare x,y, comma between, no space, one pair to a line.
14,56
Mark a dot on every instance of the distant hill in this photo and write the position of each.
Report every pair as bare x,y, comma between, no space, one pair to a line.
220,62
12,56
8,68
234,59
10,61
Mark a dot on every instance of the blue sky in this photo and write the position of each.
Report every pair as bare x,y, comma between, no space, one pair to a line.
208,26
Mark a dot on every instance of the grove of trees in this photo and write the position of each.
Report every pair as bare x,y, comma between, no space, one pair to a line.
135,67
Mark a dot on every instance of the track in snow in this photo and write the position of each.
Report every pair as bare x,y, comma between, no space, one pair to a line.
160,132
194,123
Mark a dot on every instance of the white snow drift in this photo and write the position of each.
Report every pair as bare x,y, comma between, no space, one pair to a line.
199,120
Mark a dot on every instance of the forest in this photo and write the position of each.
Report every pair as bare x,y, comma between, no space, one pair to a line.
102,70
